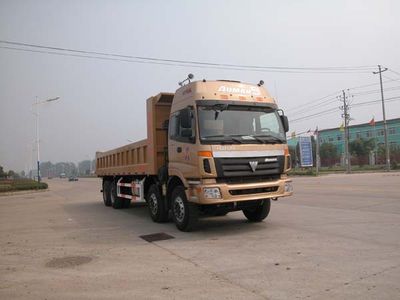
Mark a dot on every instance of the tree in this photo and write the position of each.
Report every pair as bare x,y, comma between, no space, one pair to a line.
329,154
84,167
361,148
46,169
2,173
293,156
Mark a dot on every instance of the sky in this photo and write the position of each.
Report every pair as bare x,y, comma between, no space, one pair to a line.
102,102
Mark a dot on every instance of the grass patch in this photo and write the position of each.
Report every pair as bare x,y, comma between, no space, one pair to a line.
10,185
336,169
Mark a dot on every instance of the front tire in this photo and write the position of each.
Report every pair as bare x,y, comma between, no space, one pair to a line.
258,213
156,205
184,213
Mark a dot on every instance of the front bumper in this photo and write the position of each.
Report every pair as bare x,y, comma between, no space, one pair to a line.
240,192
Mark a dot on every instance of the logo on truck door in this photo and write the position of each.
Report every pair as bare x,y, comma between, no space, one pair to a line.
187,153
253,165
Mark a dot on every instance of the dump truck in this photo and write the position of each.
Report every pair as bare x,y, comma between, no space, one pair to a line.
212,147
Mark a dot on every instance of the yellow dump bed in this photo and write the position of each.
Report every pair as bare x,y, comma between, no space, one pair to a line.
144,157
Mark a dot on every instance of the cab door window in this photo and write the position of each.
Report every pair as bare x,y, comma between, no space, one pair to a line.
181,126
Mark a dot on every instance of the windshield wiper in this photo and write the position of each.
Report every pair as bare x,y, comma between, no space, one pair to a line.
223,136
269,138
258,139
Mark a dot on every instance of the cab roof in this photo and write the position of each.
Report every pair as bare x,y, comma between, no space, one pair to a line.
223,90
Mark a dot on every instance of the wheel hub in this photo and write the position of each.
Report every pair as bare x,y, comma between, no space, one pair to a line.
153,204
179,209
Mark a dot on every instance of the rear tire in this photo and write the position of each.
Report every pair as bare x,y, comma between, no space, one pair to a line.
184,213
156,205
107,192
116,201
258,213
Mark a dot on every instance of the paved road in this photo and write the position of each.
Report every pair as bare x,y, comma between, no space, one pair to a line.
337,238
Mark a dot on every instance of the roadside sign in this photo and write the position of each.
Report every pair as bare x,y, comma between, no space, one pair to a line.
306,157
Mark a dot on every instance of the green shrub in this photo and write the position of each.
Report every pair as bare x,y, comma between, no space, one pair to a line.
21,185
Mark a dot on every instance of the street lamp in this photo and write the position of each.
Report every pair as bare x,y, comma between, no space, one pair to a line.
37,103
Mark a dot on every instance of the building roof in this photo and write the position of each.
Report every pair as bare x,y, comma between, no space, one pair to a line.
362,124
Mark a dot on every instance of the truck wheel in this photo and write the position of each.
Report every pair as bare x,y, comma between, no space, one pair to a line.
116,201
184,213
258,213
157,209
107,192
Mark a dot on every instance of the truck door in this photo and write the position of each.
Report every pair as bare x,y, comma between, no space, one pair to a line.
181,142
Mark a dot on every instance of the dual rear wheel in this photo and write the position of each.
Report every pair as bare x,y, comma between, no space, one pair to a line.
184,213
110,197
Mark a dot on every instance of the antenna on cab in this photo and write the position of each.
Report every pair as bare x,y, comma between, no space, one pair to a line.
190,76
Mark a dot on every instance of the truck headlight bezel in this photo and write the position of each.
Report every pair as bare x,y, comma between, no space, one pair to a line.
212,193
288,187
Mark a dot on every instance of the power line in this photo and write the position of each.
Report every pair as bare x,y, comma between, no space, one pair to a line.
387,77
300,110
371,84
304,106
315,100
376,101
107,58
376,91
313,107
155,63
321,113
331,110
393,71
174,62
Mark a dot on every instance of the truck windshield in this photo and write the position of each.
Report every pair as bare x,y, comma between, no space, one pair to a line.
239,124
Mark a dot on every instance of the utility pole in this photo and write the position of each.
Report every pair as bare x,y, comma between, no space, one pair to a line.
384,117
37,140
317,157
36,104
346,117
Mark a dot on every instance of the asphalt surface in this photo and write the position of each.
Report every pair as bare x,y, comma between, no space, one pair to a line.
338,237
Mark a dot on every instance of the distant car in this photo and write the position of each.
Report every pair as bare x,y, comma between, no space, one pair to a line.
62,175
73,178
49,177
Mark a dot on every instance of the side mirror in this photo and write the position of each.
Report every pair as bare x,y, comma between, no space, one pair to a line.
185,117
285,123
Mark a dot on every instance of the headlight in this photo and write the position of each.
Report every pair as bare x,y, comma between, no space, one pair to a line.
288,187
212,193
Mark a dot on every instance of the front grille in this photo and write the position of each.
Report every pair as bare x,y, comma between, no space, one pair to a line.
241,167
254,191
248,179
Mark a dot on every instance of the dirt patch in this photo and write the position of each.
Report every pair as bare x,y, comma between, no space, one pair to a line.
68,261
